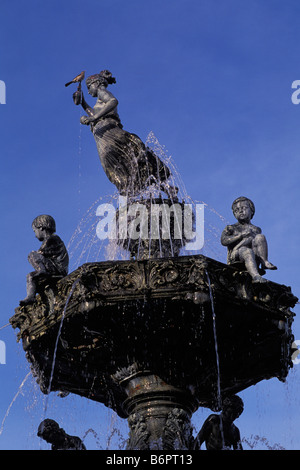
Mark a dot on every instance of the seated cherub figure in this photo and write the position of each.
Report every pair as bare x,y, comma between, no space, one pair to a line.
218,431
51,259
245,242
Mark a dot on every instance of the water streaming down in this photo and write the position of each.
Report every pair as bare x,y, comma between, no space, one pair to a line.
262,443
79,162
110,438
56,343
219,395
13,400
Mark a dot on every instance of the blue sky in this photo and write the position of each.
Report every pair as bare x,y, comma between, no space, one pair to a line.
212,80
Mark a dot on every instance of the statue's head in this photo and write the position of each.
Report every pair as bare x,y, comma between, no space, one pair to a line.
232,407
103,78
48,430
243,202
44,222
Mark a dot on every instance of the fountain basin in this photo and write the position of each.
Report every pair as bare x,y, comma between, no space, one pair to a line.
135,333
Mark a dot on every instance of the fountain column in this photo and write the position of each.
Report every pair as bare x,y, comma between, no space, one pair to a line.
159,413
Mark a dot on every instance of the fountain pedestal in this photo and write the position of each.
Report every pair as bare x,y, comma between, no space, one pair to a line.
159,414
139,337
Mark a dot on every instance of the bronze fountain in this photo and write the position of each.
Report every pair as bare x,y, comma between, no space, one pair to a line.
159,335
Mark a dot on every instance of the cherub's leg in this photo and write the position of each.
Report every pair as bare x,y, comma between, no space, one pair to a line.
30,288
248,257
38,262
260,248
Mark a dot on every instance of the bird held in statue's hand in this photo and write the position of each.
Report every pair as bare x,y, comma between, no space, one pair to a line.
77,79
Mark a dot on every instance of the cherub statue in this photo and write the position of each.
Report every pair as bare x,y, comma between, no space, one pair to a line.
245,242
127,162
50,431
218,431
51,259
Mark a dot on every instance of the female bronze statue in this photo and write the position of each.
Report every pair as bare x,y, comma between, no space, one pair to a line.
127,162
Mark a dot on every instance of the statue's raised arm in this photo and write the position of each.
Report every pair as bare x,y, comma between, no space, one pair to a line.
127,162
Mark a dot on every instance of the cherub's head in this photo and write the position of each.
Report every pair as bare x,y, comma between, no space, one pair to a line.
49,430
243,209
232,407
43,225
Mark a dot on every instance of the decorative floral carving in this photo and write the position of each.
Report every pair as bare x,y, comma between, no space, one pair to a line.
138,433
178,430
121,278
163,274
